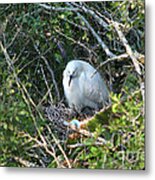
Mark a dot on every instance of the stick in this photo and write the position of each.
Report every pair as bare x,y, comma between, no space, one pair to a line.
127,47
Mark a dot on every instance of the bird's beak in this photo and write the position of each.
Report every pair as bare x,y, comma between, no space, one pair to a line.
70,78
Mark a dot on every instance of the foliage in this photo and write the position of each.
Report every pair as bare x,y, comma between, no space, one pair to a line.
35,45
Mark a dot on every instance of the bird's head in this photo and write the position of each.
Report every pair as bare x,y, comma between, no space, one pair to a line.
73,70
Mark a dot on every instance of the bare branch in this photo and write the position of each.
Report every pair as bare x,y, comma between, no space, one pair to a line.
50,70
76,42
93,14
72,146
76,25
126,45
89,134
60,147
24,162
48,88
47,7
41,144
13,39
100,41
120,57
53,77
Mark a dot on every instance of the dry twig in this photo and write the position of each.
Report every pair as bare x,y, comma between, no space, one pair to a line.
127,47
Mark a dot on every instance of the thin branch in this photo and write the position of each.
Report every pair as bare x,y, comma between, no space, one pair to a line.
50,70
44,97
53,77
36,156
40,144
127,47
76,42
90,135
48,88
100,41
119,57
73,146
93,14
13,39
51,8
76,25
60,147
24,162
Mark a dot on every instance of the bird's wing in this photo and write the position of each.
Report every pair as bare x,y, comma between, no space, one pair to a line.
93,87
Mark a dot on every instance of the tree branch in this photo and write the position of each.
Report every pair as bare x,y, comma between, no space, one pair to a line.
100,41
127,47
93,14
52,8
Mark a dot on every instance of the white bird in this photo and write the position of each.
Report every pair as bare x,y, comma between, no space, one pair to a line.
84,87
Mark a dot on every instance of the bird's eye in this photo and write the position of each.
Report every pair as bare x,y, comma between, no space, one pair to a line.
74,71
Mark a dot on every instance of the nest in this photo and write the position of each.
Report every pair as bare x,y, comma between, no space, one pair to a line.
60,120
59,117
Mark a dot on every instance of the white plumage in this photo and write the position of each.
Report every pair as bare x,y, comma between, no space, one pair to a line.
84,87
